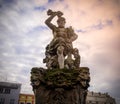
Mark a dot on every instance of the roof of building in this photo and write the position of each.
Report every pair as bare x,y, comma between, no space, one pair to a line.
98,96
10,85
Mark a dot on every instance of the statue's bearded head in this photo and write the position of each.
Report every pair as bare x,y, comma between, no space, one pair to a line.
61,22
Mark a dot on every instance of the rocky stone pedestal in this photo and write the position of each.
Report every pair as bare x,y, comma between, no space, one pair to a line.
60,86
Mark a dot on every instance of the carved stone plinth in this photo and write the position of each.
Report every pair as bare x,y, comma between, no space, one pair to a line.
60,86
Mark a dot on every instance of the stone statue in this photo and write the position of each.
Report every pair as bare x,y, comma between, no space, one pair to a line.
61,45
68,83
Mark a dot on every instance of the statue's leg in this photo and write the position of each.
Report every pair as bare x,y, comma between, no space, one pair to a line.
61,59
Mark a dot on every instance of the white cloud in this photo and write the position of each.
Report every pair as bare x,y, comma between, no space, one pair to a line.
41,2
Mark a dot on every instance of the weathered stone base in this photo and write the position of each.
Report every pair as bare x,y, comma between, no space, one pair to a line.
60,95
60,86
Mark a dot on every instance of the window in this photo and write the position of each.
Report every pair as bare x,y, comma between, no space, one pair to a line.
1,90
2,100
28,103
7,91
12,101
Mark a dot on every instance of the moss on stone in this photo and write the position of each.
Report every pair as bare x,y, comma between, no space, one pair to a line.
61,77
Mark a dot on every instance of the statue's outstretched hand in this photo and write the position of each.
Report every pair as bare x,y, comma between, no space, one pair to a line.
50,12
58,13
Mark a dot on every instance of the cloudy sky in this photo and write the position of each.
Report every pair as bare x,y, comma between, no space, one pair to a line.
24,36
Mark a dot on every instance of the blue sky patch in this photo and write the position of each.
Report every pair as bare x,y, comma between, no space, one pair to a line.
98,26
40,8
8,1
38,28
109,22
50,1
82,31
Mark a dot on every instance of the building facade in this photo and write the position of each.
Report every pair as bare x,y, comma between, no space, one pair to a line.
9,92
99,98
26,99
92,98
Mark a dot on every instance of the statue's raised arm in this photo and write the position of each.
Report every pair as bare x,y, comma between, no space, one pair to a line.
52,15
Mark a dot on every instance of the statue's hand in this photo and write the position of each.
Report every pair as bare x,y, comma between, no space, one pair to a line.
50,12
58,13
